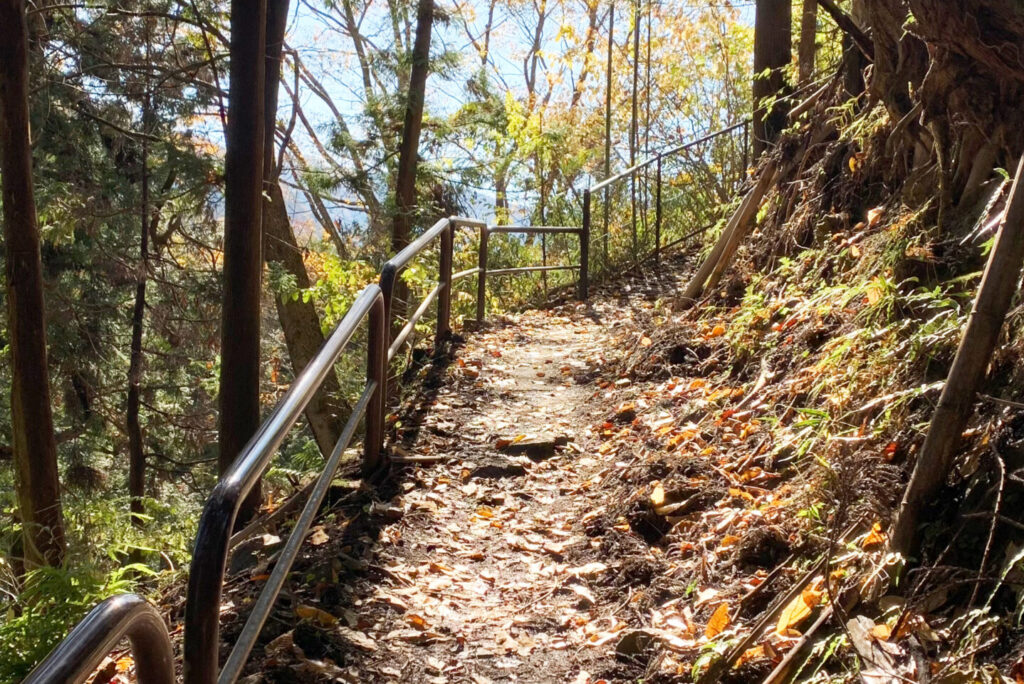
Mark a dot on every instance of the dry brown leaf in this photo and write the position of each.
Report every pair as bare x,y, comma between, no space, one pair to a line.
658,496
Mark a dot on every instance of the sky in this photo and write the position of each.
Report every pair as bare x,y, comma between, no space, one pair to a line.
329,56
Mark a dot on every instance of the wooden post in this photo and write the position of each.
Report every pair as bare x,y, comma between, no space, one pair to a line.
998,285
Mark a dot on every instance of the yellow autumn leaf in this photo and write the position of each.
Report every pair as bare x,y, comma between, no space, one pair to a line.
718,622
799,608
658,496
321,617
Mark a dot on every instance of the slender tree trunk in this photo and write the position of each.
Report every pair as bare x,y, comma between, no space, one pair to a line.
808,37
299,320
405,184
408,151
136,449
35,448
772,53
998,286
634,130
243,258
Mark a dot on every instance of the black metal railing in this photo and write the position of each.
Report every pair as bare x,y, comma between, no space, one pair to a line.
133,617
130,616
728,149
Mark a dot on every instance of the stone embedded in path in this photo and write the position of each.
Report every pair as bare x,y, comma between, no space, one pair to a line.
538,448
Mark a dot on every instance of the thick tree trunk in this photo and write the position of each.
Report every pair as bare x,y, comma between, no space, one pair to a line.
299,320
854,60
35,448
136,449
243,258
998,286
772,53
808,37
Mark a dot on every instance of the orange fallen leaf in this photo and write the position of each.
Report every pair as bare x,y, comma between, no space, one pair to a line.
321,617
876,537
718,622
881,632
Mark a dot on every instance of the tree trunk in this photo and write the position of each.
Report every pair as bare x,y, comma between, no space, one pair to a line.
35,447
713,267
408,153
998,286
300,322
301,325
136,449
854,60
405,183
808,37
243,258
772,53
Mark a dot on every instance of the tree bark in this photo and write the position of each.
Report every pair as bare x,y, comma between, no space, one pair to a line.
772,53
299,320
854,60
133,426
808,38
405,182
713,267
243,258
35,448
998,286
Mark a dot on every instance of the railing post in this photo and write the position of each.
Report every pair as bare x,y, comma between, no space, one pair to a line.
585,248
444,295
657,216
746,150
376,371
481,277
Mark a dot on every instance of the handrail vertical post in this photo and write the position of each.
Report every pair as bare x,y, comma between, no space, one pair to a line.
481,277
585,248
746,150
444,300
657,215
376,371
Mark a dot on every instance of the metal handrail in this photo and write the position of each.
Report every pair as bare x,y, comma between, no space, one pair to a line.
657,160
667,153
132,617
209,559
482,272
127,615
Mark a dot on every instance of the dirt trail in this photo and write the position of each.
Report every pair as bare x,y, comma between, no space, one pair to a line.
490,561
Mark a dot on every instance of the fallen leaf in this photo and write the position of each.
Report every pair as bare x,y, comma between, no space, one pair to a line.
799,608
321,617
876,537
718,622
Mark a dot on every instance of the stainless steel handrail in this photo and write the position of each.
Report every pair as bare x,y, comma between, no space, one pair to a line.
127,615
